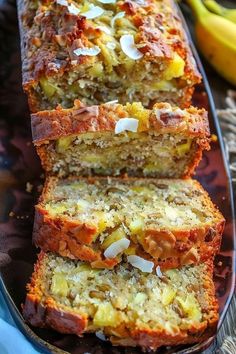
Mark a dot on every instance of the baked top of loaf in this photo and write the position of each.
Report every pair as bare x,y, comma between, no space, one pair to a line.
112,139
103,51
169,222
128,306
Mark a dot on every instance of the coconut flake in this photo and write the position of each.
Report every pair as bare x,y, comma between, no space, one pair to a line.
129,124
104,29
62,2
158,272
128,47
100,335
93,12
87,51
111,102
116,17
111,45
116,247
107,1
73,9
141,263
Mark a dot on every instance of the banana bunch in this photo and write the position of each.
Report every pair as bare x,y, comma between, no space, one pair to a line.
216,37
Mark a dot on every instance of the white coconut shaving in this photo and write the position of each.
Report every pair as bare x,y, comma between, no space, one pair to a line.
100,335
141,263
158,272
107,1
116,247
126,124
104,29
62,2
93,12
87,51
111,102
116,17
111,45
73,9
129,48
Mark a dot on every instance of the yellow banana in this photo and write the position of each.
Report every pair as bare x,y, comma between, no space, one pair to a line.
213,6
216,39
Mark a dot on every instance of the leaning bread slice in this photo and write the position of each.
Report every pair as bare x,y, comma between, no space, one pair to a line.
112,139
102,220
128,306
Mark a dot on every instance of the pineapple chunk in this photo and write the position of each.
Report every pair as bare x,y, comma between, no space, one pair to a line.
163,85
190,307
136,226
130,251
140,298
136,110
116,235
175,69
109,56
93,158
168,295
62,144
106,315
58,208
96,70
48,88
182,149
59,285
102,223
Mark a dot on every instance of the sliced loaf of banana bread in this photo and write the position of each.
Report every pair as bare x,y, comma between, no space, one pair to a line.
102,220
112,139
128,306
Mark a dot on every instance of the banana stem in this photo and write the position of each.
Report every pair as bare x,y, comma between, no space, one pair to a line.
198,8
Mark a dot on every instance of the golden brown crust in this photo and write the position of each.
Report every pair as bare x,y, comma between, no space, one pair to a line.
45,312
50,34
169,249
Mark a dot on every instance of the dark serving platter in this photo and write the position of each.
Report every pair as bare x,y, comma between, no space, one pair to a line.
21,180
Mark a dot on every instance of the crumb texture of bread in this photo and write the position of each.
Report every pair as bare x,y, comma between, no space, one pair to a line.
99,52
166,142
168,222
128,306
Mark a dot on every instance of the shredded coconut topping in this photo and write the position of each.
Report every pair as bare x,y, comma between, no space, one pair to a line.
107,1
158,272
62,2
93,12
117,247
87,51
129,124
141,263
73,9
128,47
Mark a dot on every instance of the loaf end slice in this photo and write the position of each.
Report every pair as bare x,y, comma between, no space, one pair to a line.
104,220
106,51
112,139
129,307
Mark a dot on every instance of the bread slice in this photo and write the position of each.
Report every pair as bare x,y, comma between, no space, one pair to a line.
102,220
128,306
99,52
164,142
